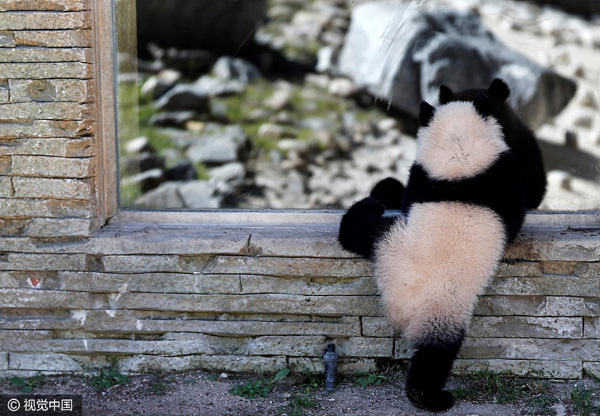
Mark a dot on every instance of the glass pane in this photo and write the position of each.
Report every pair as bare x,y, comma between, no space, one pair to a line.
259,104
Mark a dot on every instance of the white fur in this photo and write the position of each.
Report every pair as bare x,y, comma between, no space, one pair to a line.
431,268
459,143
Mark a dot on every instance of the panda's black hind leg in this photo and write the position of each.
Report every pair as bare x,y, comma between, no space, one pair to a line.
428,372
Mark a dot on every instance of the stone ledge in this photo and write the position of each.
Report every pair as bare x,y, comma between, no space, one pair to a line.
309,240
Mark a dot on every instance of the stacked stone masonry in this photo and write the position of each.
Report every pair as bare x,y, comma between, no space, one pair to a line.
76,296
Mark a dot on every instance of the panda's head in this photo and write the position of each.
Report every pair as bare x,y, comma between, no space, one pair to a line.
497,93
458,140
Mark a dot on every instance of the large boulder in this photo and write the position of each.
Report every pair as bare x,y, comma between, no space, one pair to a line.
221,26
402,51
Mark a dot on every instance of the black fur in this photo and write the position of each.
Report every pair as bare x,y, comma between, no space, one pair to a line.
498,188
518,136
389,192
429,370
362,225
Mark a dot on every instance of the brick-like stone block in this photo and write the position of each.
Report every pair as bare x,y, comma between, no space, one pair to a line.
48,90
366,347
58,167
32,299
546,285
7,39
592,369
60,147
76,70
44,20
3,361
36,5
44,111
376,326
523,368
4,90
229,363
28,261
63,227
270,304
309,286
141,264
32,54
558,267
537,306
292,267
526,326
531,348
5,164
44,362
13,207
591,270
14,129
51,188
6,187
591,327
346,366
54,38
149,282
519,268
296,346
12,227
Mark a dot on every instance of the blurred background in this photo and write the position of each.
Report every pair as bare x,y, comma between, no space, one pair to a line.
260,104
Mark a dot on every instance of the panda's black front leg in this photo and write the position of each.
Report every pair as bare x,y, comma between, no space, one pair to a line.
428,372
362,225
389,192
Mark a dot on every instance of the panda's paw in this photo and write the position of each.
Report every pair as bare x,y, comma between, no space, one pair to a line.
389,191
434,401
369,206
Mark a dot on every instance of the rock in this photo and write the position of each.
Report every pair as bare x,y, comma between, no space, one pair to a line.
402,52
228,177
326,56
235,69
342,87
218,26
173,118
157,85
147,180
191,62
218,147
183,171
141,162
184,97
165,196
138,145
584,120
280,99
199,194
215,87
270,131
589,100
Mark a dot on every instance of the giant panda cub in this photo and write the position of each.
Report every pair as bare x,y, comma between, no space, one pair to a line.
463,202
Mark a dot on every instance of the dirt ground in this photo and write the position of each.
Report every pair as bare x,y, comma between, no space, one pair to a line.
206,394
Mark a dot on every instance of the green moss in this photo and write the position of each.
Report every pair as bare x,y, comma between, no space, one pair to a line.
202,171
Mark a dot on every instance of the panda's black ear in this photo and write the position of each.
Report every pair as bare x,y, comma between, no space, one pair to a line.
426,113
498,90
483,106
446,95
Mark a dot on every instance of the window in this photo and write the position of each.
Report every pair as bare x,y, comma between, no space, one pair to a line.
279,113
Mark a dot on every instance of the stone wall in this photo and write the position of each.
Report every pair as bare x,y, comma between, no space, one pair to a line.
242,297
